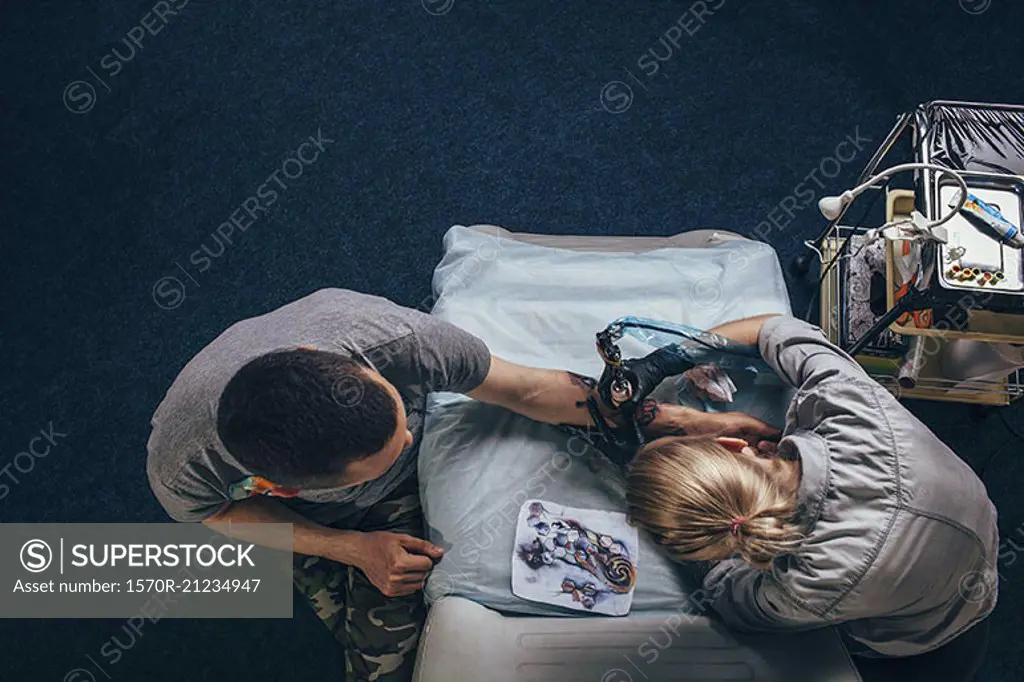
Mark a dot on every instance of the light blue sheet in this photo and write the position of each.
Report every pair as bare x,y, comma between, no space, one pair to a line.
541,306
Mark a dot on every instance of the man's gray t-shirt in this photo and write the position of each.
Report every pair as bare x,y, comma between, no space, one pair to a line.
190,470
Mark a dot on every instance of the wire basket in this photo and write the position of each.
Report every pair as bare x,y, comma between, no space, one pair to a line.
929,386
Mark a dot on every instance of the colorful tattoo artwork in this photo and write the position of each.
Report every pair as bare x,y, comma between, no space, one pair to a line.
586,594
562,541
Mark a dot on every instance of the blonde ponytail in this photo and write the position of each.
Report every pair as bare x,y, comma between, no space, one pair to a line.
705,502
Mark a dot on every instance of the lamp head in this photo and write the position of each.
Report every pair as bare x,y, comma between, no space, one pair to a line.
833,207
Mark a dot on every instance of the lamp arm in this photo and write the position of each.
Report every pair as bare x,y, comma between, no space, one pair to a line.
889,172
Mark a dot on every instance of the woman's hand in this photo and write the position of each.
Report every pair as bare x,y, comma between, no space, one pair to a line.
643,375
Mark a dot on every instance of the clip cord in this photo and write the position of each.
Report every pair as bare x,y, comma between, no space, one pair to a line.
676,332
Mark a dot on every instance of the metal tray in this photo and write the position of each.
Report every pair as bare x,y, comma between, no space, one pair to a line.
983,249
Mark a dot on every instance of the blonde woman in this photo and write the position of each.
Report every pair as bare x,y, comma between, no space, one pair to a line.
860,518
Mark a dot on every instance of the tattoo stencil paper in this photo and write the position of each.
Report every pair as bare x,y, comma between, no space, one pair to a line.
580,559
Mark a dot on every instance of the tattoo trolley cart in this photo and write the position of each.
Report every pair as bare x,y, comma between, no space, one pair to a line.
936,321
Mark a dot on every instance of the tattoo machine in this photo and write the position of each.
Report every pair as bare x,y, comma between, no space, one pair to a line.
616,389
621,388
680,348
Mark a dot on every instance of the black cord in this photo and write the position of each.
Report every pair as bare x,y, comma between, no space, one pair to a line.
676,332
1009,427
839,254
984,467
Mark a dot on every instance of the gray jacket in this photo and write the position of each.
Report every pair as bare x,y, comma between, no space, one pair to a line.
901,538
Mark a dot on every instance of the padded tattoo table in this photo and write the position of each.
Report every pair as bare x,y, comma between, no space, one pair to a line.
538,300
466,642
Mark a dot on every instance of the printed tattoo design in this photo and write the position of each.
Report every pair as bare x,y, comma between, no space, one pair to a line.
587,593
562,541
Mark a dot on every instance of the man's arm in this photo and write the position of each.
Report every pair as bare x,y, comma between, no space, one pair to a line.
395,563
560,397
308,538
547,395
460,362
555,396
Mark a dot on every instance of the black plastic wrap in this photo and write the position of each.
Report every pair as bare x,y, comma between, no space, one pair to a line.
982,138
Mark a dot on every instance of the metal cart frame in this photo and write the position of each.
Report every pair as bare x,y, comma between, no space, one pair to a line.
829,243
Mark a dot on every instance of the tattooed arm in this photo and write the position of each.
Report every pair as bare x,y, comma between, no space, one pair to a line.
560,397
547,395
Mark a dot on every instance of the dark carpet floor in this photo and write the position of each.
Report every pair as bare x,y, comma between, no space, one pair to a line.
120,165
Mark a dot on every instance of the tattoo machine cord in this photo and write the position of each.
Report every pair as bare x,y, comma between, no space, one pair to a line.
616,332
839,254
1018,437
620,388
620,385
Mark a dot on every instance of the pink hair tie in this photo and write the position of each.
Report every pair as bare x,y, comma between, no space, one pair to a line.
736,524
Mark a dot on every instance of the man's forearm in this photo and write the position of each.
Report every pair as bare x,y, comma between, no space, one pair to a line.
308,537
547,395
558,397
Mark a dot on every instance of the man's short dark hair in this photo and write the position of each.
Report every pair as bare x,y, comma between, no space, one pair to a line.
298,416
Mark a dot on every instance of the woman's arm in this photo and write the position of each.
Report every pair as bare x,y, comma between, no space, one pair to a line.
750,600
745,331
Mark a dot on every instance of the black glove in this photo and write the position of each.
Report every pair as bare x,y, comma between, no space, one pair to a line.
643,375
618,443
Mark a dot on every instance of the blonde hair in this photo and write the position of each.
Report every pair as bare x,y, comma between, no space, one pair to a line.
704,502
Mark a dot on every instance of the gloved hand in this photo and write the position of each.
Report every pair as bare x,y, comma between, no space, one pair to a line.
643,376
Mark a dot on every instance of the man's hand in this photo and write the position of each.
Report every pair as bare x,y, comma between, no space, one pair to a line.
396,564
643,374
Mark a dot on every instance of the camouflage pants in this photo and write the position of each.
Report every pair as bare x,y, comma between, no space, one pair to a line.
379,634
